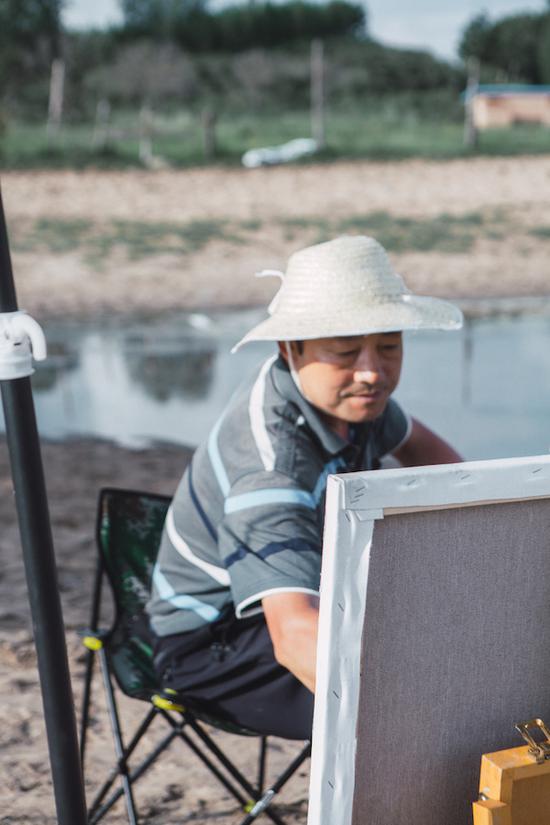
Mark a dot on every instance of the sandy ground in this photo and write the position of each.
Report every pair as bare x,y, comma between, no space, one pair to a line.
512,262
179,789
512,193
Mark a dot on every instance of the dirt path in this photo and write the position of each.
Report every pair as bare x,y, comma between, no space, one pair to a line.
147,241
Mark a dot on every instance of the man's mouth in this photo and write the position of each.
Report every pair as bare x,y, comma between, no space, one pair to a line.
365,394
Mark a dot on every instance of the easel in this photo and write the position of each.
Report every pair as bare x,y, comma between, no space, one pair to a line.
514,784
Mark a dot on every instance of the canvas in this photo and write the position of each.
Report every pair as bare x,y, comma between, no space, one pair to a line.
435,615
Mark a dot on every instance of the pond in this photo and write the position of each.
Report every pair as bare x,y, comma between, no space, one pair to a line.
486,388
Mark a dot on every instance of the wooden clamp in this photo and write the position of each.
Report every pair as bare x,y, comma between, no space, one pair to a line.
514,784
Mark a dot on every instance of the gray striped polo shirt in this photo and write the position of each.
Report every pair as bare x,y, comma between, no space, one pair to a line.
247,517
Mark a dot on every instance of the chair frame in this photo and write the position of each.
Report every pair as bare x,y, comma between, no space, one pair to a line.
180,718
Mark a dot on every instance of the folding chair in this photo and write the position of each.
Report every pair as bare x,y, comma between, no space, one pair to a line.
129,527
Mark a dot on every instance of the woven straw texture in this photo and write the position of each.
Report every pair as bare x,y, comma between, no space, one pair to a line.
347,287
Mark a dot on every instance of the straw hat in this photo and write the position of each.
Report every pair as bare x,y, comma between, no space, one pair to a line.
346,287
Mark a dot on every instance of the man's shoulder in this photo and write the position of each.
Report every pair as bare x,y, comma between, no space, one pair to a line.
262,429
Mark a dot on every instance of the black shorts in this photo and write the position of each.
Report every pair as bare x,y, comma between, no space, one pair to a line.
229,668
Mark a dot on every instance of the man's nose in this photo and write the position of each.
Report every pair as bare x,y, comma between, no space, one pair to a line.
368,368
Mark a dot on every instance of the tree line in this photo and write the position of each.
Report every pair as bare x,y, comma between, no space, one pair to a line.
174,52
515,48
195,28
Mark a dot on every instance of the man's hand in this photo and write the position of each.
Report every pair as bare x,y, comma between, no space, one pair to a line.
425,447
292,620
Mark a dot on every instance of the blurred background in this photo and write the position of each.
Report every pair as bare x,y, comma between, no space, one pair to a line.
139,82
135,229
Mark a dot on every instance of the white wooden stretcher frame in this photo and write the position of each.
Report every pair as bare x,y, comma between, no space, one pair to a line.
354,502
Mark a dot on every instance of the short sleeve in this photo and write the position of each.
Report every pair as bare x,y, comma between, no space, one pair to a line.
394,428
270,539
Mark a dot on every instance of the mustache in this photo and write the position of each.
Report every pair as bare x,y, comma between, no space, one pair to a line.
364,389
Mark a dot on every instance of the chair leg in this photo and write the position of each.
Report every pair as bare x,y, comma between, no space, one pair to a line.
96,813
223,760
262,764
205,759
117,735
90,660
84,719
262,804
235,773
116,771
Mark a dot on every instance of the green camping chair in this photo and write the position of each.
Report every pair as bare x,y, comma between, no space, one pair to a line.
129,527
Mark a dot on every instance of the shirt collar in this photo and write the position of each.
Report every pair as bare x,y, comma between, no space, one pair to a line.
284,384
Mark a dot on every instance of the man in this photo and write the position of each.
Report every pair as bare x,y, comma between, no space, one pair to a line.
235,589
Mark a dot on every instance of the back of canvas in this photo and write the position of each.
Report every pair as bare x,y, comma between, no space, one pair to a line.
456,650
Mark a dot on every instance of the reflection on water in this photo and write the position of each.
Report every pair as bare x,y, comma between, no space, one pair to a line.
486,389
175,368
61,359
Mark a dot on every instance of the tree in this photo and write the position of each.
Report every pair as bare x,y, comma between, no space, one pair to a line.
156,18
475,41
30,37
238,27
543,50
509,45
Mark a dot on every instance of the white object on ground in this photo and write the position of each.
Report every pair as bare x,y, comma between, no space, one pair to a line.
286,152
199,320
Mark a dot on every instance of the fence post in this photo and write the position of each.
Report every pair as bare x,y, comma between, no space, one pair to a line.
209,120
317,92
55,103
470,130
101,125
145,136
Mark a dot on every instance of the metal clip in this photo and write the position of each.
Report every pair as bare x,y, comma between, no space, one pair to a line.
538,750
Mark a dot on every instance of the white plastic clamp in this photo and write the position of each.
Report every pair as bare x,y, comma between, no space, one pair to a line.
21,340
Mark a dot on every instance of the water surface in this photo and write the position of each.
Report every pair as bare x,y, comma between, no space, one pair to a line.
486,388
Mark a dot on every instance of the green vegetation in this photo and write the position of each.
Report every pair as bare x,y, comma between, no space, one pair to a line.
178,64
55,235
541,232
444,233
381,130
138,239
238,27
515,48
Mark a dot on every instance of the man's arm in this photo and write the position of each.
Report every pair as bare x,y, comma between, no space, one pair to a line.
425,447
292,620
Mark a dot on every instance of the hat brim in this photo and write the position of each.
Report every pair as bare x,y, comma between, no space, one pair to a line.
405,312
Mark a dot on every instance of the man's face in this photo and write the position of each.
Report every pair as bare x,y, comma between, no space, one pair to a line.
349,379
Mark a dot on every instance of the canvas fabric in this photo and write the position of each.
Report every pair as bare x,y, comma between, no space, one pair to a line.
247,517
454,654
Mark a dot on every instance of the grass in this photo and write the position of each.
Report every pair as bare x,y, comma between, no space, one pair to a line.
377,132
138,239
444,233
540,232
56,235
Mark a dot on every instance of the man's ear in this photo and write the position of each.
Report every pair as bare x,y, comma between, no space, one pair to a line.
282,350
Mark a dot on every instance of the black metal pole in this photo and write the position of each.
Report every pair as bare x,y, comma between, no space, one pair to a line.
40,569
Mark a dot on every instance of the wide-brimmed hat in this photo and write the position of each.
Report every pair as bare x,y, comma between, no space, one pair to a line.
346,287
